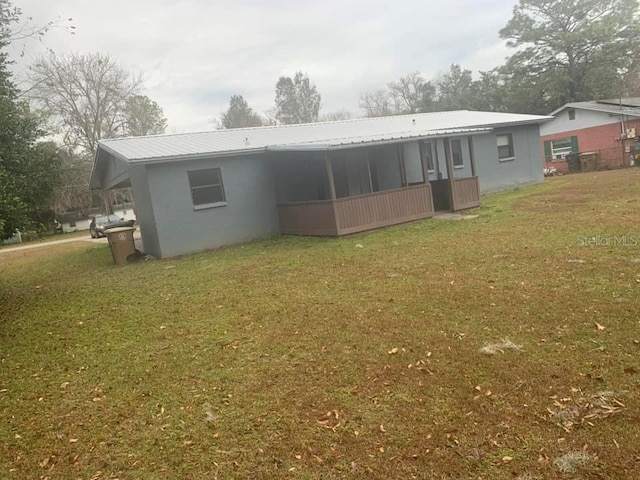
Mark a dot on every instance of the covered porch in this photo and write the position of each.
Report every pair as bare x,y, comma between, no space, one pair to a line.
343,191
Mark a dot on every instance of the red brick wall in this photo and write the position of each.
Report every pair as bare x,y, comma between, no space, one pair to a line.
604,139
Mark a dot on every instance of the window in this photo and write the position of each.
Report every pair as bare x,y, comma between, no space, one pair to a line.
561,148
206,187
456,154
505,147
72,223
572,114
427,156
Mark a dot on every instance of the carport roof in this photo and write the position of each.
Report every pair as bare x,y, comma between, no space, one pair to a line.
323,135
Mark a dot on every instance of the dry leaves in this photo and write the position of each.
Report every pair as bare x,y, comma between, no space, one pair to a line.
570,412
332,420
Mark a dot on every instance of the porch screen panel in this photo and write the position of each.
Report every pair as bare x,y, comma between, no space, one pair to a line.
357,174
386,168
339,167
413,164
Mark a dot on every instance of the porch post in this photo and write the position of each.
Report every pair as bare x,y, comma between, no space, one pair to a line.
425,172
332,185
403,174
449,159
369,171
472,156
437,159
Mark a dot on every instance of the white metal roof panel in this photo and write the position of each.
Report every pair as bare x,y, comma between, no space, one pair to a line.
330,134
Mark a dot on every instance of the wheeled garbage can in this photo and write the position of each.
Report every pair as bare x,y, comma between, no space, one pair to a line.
121,243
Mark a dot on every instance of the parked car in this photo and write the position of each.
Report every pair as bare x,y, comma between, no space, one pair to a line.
100,224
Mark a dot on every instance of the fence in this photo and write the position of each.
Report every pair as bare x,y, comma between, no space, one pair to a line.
605,159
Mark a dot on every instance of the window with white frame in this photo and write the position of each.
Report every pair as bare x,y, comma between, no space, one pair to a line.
505,147
561,148
456,154
206,187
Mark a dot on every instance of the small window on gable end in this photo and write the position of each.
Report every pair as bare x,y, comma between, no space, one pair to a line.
572,114
206,188
505,147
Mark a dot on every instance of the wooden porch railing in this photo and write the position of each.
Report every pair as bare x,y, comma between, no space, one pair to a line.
308,218
379,209
356,214
465,193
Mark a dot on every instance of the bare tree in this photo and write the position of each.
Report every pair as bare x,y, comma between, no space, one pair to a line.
379,103
84,97
14,29
336,116
409,92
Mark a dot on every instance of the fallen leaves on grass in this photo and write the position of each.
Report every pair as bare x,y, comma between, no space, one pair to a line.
570,412
500,347
332,420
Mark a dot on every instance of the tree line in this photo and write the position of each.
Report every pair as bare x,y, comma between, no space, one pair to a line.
74,101
564,51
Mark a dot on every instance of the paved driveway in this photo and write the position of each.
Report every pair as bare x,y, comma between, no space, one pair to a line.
136,238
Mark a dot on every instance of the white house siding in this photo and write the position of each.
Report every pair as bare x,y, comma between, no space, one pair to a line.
125,213
583,119
77,226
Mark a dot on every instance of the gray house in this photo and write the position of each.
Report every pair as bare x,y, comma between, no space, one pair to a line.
200,191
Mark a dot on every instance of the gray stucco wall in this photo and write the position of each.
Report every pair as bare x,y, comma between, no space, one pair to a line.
584,119
250,211
525,168
144,210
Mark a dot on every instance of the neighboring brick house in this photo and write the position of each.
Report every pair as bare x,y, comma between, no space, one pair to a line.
608,128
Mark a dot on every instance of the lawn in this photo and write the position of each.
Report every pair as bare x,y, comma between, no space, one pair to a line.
503,347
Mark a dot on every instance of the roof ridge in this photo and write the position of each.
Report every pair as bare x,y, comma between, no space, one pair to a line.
286,126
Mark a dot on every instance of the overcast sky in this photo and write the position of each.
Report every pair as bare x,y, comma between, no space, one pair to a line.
195,54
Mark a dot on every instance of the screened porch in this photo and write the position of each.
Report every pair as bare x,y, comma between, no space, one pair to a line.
345,191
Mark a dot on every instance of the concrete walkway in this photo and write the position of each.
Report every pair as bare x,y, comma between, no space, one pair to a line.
136,238
453,216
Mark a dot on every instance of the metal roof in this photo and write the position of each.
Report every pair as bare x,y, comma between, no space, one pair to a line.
318,136
605,106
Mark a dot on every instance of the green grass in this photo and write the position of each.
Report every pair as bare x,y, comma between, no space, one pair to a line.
276,359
